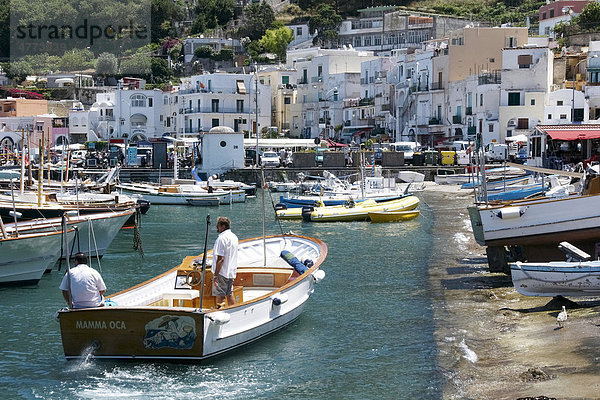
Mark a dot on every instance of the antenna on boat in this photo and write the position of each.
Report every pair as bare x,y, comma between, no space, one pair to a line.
204,261
262,175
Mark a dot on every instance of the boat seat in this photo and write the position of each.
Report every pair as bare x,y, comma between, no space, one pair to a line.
573,253
181,297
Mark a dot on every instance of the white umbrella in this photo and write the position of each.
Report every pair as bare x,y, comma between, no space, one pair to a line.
517,138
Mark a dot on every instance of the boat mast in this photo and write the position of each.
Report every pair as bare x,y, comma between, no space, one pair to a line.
22,183
262,171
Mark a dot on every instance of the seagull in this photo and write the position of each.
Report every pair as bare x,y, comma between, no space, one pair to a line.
562,317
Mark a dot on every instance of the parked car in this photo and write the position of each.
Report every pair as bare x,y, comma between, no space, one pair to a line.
270,159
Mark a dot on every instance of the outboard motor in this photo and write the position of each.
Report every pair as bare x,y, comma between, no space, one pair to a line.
306,211
280,206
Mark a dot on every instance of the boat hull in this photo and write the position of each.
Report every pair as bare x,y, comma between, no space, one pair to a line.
393,216
539,226
24,259
557,279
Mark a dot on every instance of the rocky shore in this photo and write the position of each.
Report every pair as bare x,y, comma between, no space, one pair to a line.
493,342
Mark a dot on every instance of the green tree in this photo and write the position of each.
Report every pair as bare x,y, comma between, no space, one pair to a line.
276,41
203,52
161,73
138,64
106,64
589,19
76,60
163,13
257,17
211,14
326,23
17,70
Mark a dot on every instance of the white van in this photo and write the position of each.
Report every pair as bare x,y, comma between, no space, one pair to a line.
495,152
408,148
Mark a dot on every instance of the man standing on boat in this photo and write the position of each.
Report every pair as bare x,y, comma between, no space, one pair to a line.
82,286
225,267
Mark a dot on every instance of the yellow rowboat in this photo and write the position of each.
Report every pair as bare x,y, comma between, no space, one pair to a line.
359,212
393,216
175,317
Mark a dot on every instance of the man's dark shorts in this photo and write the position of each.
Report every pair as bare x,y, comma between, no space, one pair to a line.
223,287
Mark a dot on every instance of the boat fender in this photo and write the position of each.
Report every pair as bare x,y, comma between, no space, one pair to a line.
306,211
219,317
279,299
15,214
318,275
291,259
510,213
280,206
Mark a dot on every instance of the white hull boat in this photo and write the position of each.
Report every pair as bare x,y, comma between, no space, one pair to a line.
25,258
180,194
173,317
95,231
573,279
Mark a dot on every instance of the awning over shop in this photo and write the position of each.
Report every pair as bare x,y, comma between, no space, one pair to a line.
573,134
334,144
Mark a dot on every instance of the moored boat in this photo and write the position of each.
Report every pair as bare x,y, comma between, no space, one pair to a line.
24,258
393,216
166,317
360,211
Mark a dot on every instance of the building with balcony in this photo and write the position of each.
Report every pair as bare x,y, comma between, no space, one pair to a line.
205,101
325,77
217,44
284,96
385,28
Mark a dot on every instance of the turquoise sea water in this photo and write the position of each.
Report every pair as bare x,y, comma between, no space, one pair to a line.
367,331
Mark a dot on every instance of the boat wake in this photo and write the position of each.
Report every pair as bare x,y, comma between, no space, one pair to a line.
86,360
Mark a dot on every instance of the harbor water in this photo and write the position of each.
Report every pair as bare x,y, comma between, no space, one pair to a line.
368,331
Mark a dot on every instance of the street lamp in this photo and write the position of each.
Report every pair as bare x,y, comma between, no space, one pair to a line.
327,97
573,98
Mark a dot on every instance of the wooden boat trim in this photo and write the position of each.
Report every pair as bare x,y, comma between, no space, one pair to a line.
317,264
32,235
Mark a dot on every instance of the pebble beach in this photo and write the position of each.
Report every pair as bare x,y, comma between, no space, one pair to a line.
493,342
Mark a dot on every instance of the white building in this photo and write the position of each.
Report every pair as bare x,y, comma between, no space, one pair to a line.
527,75
221,99
221,150
325,78
131,115
302,38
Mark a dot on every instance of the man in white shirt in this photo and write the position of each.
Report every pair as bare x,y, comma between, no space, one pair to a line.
225,267
83,287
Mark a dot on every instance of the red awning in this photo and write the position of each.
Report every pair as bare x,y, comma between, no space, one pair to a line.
573,134
335,144
361,131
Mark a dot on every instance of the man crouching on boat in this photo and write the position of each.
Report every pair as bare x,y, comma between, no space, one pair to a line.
83,286
225,268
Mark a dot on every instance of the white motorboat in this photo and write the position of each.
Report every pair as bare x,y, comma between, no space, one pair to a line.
174,316
180,193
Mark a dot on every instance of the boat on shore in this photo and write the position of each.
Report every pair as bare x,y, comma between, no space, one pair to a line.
556,278
174,316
